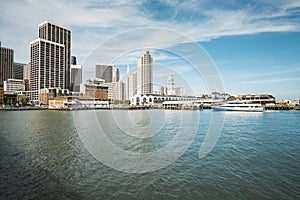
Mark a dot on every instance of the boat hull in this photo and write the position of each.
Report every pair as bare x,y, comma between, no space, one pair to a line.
245,109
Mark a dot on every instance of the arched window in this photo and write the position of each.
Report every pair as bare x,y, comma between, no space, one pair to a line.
150,100
144,99
138,99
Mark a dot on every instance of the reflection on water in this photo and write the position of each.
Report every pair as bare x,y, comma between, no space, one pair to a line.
256,156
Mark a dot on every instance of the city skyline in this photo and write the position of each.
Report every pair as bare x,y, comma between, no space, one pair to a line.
253,45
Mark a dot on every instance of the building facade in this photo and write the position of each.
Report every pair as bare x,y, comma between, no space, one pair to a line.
18,70
1,94
116,90
104,72
116,75
26,72
59,35
50,59
13,85
6,63
132,85
98,91
145,74
76,77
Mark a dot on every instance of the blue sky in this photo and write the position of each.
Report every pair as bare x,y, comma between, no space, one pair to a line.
254,45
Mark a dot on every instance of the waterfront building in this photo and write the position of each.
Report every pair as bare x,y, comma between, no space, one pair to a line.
18,70
50,93
104,71
67,102
159,100
145,73
11,86
1,94
76,77
6,63
95,90
50,59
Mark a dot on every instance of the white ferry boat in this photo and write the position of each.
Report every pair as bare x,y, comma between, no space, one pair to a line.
239,106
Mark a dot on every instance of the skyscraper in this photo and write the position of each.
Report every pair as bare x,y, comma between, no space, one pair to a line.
116,75
104,72
145,74
132,84
50,56
6,63
76,77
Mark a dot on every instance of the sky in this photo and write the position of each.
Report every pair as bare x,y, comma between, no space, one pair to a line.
232,46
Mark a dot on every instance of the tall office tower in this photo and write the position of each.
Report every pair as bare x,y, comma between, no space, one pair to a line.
132,84
18,70
126,82
6,63
73,60
59,35
116,75
104,72
145,74
76,77
171,84
50,59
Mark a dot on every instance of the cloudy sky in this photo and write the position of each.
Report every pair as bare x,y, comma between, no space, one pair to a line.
253,45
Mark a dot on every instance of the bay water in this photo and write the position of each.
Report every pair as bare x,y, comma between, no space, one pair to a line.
256,155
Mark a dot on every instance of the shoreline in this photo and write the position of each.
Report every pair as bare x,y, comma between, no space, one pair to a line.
277,108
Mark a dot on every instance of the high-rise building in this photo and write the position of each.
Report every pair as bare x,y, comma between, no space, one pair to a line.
132,85
104,72
26,72
50,56
18,70
126,82
116,75
116,90
6,63
145,74
76,77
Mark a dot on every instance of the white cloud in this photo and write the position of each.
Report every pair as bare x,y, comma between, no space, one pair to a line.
93,22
